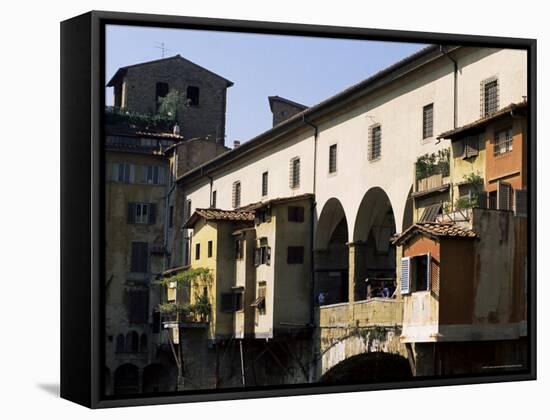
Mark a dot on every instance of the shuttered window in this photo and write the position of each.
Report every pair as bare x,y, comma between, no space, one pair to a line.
428,121
265,176
262,255
332,158
138,306
236,194
405,275
489,96
431,212
375,142
141,213
295,173
471,146
504,196
123,172
520,203
140,257
295,214
295,255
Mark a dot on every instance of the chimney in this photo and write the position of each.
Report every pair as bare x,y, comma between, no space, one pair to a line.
236,143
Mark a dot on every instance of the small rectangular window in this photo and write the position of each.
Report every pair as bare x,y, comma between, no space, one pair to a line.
295,173
375,142
264,183
162,89
295,214
428,121
295,255
236,194
125,173
188,209
193,96
239,249
332,158
197,251
489,96
209,249
503,142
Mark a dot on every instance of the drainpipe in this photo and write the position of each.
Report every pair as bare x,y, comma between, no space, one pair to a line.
169,191
312,261
312,215
455,89
211,178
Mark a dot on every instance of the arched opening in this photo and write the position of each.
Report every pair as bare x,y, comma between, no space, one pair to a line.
155,378
126,379
132,342
143,343
369,367
373,253
331,254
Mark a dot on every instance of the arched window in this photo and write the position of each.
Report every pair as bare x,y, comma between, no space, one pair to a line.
119,343
132,342
143,343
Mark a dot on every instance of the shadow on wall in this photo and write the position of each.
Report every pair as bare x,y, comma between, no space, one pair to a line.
52,389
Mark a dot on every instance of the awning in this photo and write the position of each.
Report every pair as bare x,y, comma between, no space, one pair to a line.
430,213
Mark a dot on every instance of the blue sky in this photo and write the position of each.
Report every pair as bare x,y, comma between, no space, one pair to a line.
304,69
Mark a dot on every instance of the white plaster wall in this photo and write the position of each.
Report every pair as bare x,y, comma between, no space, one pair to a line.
398,108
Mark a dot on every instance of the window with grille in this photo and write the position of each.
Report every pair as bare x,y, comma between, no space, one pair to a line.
265,176
236,194
332,154
295,173
375,142
141,213
503,142
295,255
428,121
489,96
140,256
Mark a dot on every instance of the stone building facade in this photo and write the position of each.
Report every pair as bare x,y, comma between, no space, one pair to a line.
139,87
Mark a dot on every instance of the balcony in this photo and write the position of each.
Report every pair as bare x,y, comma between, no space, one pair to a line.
431,173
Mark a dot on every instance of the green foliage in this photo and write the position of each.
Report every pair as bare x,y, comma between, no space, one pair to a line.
173,308
184,278
170,105
475,180
114,115
202,306
432,164
464,203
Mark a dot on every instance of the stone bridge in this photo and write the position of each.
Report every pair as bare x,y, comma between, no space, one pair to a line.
347,330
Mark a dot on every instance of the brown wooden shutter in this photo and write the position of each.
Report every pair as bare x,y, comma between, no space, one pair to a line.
152,213
520,203
471,146
131,212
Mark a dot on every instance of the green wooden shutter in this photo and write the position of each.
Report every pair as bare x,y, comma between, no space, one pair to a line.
405,275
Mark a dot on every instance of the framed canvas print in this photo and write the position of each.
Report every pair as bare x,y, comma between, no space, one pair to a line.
255,209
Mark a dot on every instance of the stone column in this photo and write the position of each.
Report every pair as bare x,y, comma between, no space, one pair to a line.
357,270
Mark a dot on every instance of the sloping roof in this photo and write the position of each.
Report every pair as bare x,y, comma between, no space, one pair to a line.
218,214
434,231
286,101
376,81
480,123
122,71
260,204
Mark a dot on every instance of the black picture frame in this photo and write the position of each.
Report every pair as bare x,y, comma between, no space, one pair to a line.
82,183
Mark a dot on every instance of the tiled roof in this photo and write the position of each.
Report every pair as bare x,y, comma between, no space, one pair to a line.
434,230
156,135
482,121
260,204
218,214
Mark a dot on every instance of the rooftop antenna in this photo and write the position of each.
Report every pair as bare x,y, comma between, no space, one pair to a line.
163,49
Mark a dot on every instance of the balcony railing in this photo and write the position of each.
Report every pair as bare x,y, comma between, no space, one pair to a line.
431,182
